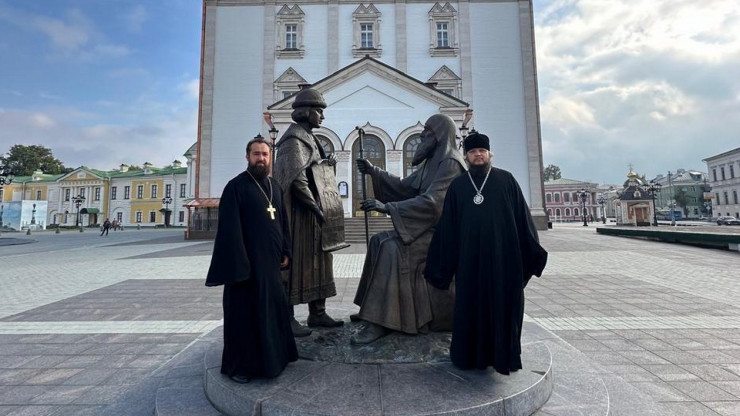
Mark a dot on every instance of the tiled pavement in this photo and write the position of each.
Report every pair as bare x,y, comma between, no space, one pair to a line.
84,320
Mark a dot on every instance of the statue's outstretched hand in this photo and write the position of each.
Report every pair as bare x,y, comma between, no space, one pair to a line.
373,205
364,166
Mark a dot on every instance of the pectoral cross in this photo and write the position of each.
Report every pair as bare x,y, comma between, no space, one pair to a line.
271,210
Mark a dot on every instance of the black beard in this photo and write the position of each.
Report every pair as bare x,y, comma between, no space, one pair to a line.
479,170
258,171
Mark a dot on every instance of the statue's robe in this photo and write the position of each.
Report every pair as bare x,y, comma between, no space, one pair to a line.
247,253
392,291
492,250
299,160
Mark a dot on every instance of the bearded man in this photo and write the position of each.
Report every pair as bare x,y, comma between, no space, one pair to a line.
392,294
252,245
487,241
315,213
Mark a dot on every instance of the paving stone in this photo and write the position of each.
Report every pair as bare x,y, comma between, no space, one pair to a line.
689,409
670,372
60,394
702,391
711,372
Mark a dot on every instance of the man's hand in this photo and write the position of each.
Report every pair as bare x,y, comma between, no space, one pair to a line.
331,160
285,262
373,205
364,166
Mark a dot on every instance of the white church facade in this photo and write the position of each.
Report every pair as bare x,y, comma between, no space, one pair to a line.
384,66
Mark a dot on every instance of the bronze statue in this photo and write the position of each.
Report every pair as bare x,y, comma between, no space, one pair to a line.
315,212
392,292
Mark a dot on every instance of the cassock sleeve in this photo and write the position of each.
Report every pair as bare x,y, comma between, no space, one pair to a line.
442,256
229,262
534,257
390,188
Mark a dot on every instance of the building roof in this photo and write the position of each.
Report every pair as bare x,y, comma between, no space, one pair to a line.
727,153
564,181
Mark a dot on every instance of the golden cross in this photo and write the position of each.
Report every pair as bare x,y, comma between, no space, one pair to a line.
271,210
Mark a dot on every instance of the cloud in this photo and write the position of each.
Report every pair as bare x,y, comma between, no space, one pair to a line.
135,18
192,88
652,83
72,35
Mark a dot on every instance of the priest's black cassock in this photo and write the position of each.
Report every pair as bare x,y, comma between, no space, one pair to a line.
247,253
492,250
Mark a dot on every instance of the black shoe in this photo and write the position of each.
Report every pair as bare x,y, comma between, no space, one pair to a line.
323,320
240,379
355,317
298,329
371,333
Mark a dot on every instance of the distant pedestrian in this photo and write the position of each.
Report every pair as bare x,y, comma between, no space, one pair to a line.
106,227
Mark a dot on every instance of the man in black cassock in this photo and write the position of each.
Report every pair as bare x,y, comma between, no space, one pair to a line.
485,239
252,245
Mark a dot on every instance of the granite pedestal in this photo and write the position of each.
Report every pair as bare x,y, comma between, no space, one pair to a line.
397,375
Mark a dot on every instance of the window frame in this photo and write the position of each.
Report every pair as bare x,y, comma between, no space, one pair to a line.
443,14
366,15
285,17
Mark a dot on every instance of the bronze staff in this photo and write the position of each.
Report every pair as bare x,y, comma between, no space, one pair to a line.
364,187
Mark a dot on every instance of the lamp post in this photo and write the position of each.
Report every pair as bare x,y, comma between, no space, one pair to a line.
6,178
602,202
583,195
273,136
166,201
652,188
464,127
671,201
78,200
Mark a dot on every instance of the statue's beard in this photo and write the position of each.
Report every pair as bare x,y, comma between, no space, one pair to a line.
259,171
480,170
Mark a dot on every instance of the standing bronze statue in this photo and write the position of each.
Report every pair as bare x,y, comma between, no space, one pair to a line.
392,293
306,174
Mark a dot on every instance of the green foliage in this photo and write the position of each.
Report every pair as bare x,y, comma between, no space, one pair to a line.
24,160
552,172
682,199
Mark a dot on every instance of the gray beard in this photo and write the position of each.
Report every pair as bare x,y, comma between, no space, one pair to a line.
479,170
258,171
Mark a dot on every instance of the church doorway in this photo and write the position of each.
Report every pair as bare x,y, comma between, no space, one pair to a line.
374,151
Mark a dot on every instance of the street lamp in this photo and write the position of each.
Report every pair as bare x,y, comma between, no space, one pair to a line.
602,202
652,188
583,195
166,201
78,200
464,127
273,135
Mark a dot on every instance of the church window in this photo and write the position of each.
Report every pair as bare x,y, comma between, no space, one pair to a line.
290,22
326,144
291,36
442,27
366,36
409,149
287,84
447,81
366,32
566,197
443,35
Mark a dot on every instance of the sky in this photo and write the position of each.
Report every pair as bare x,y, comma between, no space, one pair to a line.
648,84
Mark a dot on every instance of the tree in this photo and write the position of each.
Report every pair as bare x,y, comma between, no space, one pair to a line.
552,172
682,199
24,160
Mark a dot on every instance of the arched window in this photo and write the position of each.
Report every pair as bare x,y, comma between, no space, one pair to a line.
566,197
557,197
548,197
557,213
409,148
567,212
326,144
549,212
374,151
575,212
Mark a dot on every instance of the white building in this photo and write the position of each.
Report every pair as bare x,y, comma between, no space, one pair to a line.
385,66
724,176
